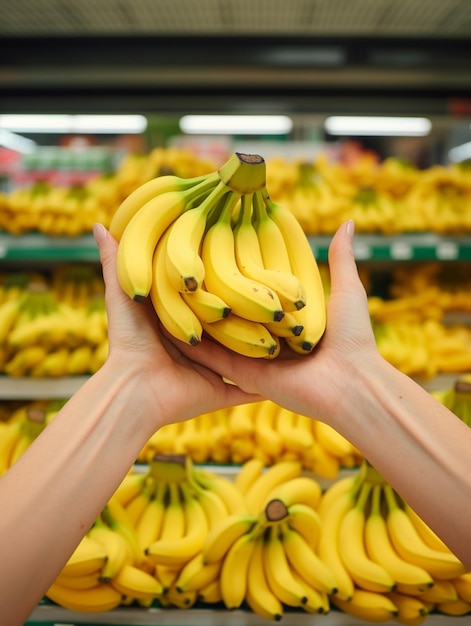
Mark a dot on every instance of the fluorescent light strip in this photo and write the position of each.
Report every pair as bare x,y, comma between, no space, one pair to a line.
378,126
60,124
460,153
236,124
15,142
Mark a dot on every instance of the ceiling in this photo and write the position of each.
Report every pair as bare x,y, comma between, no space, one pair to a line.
377,18
396,56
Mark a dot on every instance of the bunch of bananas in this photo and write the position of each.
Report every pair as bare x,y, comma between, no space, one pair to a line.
387,562
53,329
107,569
215,254
265,558
22,427
261,430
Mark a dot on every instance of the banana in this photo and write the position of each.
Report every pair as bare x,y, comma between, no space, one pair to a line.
279,571
316,601
287,327
411,610
88,557
181,599
207,306
144,230
131,485
306,521
146,192
306,562
172,526
250,261
334,505
267,438
9,311
331,440
257,494
303,264
408,577
213,506
102,597
250,470
455,607
173,312
442,591
114,514
150,521
136,583
80,582
247,298
179,551
369,606
234,570
463,586
367,574
224,488
244,336
196,574
222,537
137,505
259,596
295,439
427,534
184,265
211,594
411,547
10,435
304,490
117,553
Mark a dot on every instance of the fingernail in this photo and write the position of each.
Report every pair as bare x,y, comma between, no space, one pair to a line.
99,232
350,228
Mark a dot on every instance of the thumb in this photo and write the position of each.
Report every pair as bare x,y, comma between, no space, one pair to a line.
342,265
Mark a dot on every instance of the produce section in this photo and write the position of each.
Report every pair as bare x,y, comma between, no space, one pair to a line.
419,299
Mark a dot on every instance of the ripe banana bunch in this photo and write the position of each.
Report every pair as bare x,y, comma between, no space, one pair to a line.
216,255
387,562
172,507
267,557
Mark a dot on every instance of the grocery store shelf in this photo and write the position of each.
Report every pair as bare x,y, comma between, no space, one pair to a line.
404,247
34,247
27,388
203,617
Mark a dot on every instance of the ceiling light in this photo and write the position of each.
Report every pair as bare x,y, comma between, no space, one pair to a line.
15,142
236,124
95,124
378,126
460,153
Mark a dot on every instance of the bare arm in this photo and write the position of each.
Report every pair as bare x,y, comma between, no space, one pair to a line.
53,494
419,446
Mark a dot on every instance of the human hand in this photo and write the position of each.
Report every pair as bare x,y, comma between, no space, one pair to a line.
311,385
169,383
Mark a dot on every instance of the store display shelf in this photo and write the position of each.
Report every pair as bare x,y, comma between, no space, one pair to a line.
33,247
403,247
27,388
54,615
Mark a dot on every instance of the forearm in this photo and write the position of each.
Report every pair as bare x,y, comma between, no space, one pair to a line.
429,448
61,484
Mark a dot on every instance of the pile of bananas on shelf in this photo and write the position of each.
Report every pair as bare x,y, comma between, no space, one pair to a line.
216,255
53,326
72,210
388,197
270,541
261,430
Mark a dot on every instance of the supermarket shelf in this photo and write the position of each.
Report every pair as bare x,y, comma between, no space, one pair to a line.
408,247
35,247
28,388
405,247
54,615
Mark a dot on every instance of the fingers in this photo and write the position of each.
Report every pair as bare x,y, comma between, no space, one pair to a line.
343,269
107,247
